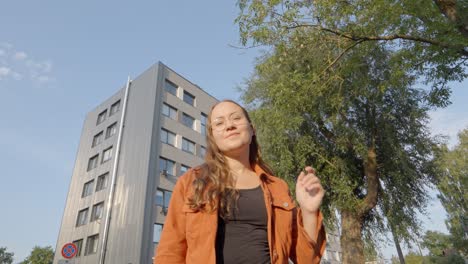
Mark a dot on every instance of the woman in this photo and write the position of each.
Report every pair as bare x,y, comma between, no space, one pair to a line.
232,210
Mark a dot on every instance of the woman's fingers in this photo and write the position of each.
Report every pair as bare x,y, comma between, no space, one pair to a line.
301,177
309,169
309,180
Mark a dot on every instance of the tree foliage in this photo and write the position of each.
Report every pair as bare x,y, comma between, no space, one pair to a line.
40,255
429,37
414,258
437,243
5,256
363,127
453,186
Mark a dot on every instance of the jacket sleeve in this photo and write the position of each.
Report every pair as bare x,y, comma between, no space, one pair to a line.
172,246
305,249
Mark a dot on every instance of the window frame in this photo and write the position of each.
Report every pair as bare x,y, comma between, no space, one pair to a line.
166,138
95,240
94,212
203,123
89,185
184,115
202,152
184,171
166,161
107,150
94,160
165,199
170,109
112,110
189,98
106,177
110,128
78,246
98,139
154,232
188,142
101,117
171,87
85,218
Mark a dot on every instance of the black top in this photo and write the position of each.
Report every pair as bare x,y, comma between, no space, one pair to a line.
243,239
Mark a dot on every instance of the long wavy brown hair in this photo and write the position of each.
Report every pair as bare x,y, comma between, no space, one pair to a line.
214,186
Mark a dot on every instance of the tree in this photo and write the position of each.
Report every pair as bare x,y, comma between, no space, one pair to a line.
451,259
452,185
362,126
6,257
414,258
337,86
40,255
437,242
430,37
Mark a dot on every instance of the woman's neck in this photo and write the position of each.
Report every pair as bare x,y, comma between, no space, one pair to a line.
239,164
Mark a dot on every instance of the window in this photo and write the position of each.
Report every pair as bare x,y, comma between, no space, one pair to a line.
167,137
115,108
102,182
79,245
97,211
157,233
202,151
169,111
82,217
92,163
167,165
88,188
106,155
183,169
101,117
188,146
97,139
92,244
189,98
111,130
204,119
188,121
163,197
170,88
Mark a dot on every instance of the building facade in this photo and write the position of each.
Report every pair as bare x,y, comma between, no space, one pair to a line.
132,148
333,253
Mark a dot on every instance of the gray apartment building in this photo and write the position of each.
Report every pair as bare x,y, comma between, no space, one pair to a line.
132,148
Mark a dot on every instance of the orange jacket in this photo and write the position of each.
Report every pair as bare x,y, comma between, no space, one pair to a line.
189,236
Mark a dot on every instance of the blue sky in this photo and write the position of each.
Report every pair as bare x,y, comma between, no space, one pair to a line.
60,59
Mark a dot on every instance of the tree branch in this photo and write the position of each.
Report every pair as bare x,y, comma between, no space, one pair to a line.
461,50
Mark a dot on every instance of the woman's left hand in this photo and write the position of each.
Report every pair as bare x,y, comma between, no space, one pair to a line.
309,191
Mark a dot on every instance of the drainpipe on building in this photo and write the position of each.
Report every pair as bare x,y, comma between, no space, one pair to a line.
110,199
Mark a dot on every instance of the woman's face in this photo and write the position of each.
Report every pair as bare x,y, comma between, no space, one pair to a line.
231,129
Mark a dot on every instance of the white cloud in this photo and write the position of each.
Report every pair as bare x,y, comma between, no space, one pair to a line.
20,55
18,65
4,71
